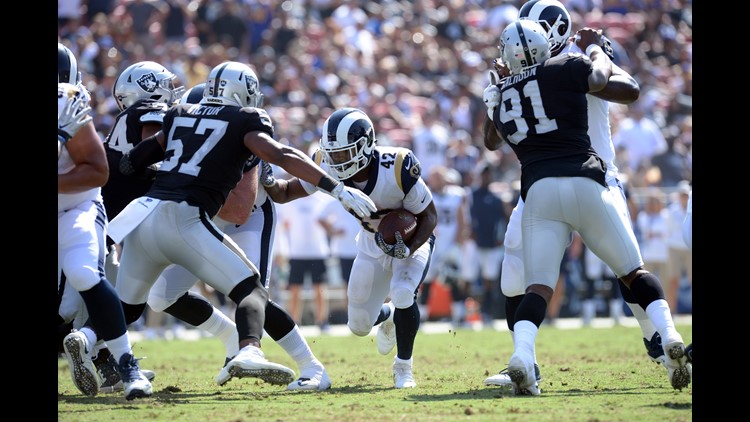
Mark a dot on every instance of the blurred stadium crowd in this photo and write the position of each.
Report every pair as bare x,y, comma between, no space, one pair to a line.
417,67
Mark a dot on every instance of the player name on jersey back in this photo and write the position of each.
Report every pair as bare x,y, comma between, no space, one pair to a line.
510,80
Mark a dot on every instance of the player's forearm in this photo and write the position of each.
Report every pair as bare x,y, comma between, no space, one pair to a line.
82,178
621,88
284,191
239,203
492,141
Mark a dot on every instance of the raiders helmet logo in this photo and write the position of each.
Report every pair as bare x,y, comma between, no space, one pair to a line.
251,84
147,82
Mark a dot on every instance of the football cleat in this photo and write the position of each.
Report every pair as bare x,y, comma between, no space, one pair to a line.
689,353
82,370
224,375
319,382
502,379
387,333
251,362
679,370
135,384
654,349
520,369
111,381
402,374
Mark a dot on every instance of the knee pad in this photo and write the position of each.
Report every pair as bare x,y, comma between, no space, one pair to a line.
402,298
359,322
511,279
82,278
158,302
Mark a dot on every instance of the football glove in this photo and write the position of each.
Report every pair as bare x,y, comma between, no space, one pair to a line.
354,200
74,116
491,99
266,175
399,250
606,46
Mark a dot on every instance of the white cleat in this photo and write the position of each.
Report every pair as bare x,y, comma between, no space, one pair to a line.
319,382
252,362
521,372
387,333
502,380
679,370
82,369
224,375
402,374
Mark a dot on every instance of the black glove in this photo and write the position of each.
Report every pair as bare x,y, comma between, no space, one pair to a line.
399,250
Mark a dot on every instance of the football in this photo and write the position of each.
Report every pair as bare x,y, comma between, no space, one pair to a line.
399,220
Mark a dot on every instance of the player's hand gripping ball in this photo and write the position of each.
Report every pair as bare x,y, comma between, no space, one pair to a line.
399,220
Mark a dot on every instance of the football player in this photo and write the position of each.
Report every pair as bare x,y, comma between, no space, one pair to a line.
564,187
391,177
143,93
621,88
252,225
81,223
204,148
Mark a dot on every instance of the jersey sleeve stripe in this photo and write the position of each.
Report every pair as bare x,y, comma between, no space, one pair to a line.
399,165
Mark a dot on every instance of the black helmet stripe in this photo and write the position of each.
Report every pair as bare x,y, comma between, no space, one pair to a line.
335,120
522,36
217,78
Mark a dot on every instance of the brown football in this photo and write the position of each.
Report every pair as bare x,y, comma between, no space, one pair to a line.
399,220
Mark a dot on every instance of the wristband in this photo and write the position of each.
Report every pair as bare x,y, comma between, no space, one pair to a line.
62,136
327,183
591,48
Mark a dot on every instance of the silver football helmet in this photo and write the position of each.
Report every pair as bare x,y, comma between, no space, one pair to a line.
67,66
553,17
146,80
233,83
347,141
524,44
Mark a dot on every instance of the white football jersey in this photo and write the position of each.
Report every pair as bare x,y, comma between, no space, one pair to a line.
66,201
599,131
395,182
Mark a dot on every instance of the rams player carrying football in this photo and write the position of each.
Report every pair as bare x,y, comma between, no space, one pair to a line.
391,177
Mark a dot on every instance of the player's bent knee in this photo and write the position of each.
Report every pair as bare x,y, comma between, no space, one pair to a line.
82,278
402,298
159,303
359,322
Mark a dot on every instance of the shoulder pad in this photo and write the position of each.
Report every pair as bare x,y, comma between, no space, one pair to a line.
259,117
408,169
317,156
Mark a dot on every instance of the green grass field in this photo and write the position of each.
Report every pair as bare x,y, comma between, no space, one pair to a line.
589,374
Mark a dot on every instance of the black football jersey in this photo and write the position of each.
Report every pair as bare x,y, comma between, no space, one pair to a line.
543,114
125,134
205,153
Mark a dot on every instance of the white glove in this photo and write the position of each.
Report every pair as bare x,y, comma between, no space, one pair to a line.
266,175
75,115
491,99
354,200
399,250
